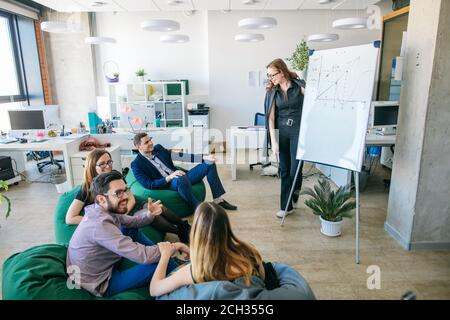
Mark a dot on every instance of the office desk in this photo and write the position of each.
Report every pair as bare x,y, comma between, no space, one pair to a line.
189,140
377,140
249,138
68,146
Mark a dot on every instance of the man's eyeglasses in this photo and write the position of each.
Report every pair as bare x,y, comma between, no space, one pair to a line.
270,76
104,164
118,193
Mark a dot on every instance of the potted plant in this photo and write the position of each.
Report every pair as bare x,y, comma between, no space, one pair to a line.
115,77
332,206
299,59
4,186
140,74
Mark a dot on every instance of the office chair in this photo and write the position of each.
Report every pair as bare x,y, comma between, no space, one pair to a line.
41,155
260,120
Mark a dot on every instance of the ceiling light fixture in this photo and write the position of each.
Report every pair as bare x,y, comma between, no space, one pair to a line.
99,40
174,38
323,37
174,2
249,37
257,23
350,23
98,4
248,2
61,27
160,25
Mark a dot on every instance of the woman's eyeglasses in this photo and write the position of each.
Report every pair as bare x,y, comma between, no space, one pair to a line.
118,193
104,164
270,76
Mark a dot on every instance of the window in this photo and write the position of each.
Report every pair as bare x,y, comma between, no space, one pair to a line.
11,87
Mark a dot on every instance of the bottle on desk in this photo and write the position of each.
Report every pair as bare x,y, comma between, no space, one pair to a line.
82,128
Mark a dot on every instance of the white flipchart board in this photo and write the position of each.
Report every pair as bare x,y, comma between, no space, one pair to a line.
338,94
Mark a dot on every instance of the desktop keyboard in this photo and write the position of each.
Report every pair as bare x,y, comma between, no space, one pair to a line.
5,141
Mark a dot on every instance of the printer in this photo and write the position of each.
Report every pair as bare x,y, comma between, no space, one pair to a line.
197,109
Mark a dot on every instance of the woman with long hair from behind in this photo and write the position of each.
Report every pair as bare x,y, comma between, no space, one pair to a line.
215,252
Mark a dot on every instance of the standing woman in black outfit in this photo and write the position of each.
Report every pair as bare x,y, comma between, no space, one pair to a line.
283,108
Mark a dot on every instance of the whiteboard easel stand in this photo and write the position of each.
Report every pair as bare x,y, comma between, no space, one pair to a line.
356,178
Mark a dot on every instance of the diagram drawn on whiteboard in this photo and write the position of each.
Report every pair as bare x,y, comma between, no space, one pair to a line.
337,83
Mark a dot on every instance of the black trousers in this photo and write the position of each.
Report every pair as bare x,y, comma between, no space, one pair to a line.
288,142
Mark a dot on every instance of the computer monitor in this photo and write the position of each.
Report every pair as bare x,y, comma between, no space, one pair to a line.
27,119
384,114
51,115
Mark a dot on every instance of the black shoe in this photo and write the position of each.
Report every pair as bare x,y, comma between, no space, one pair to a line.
226,205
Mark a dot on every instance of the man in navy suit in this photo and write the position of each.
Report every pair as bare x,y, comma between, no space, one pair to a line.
154,169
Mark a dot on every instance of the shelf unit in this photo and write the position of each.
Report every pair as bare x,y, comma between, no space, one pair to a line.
149,104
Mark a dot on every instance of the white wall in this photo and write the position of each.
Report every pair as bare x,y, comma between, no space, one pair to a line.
136,48
216,65
70,65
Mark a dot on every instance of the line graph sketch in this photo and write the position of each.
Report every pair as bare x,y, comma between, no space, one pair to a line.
338,93
337,82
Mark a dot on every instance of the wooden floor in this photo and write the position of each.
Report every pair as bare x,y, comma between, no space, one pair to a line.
328,264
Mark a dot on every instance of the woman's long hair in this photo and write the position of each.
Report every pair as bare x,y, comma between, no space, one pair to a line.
280,66
89,169
216,253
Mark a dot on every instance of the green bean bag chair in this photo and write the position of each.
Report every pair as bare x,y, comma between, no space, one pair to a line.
64,232
169,198
39,273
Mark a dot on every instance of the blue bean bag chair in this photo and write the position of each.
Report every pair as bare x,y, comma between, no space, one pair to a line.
169,198
292,287
64,231
39,273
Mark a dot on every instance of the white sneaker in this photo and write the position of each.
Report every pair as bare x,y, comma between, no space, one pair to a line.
280,213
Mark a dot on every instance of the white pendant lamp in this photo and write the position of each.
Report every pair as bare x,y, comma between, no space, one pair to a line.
160,25
350,23
249,37
258,23
323,37
99,40
61,27
174,38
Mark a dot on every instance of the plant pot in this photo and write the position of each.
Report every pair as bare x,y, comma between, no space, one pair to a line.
331,229
116,79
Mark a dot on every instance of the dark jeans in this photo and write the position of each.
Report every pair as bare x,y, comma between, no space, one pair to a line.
184,184
137,276
288,142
